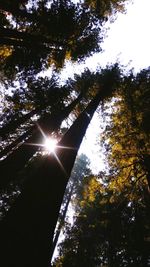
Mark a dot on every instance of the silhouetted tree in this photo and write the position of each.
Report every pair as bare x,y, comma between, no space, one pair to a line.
24,152
62,30
79,172
31,226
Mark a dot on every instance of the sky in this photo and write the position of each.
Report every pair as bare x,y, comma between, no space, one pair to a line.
128,38
127,41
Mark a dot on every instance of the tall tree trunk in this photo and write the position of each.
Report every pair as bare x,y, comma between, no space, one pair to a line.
61,222
11,165
27,230
23,39
19,43
15,122
8,149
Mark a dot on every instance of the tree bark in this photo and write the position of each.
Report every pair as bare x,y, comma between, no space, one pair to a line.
27,230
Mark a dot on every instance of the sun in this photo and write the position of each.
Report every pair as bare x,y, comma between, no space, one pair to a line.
50,144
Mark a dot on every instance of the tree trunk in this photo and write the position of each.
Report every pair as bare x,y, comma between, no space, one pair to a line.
26,44
11,165
61,222
8,149
23,39
27,230
15,122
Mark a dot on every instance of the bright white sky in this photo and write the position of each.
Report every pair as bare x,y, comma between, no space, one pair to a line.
128,38
128,41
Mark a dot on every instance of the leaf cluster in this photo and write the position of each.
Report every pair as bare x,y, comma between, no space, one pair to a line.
126,138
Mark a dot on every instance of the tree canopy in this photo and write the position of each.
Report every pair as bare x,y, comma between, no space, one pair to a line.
106,233
111,226
128,133
48,34
35,36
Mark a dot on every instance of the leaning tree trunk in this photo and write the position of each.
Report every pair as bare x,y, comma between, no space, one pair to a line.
27,230
9,148
15,122
11,165
61,222
24,39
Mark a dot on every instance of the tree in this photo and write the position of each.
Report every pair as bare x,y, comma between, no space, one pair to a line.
105,8
79,172
24,152
41,34
128,134
115,215
104,81
36,232
106,233
64,30
35,97
46,103
31,44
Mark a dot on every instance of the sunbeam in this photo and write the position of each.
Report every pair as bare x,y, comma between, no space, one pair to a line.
40,129
62,167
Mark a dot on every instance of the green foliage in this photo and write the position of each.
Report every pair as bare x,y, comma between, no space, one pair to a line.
108,80
49,35
35,98
111,224
105,233
127,135
106,8
39,96
34,37
42,33
79,173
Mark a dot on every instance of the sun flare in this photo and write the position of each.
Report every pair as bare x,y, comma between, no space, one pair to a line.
50,144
